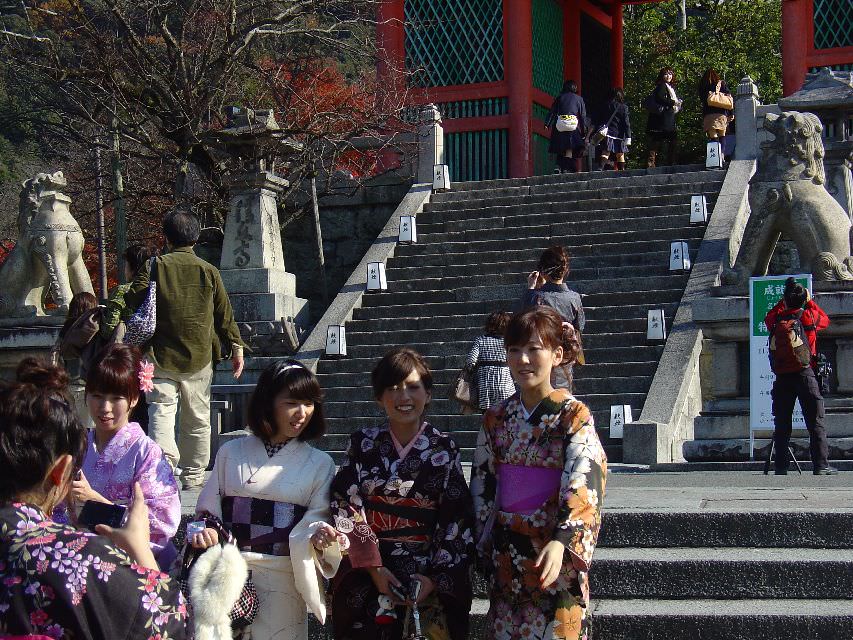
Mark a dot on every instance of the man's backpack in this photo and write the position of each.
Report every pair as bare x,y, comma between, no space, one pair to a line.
788,346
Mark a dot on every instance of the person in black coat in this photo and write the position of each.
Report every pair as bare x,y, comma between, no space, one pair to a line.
569,146
618,131
715,120
666,104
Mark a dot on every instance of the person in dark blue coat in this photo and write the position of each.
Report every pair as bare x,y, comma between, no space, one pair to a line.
569,146
618,131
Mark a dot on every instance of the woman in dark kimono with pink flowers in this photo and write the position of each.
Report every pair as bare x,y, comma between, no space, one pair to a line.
402,501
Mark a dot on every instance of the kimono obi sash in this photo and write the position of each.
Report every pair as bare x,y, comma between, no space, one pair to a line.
261,526
400,518
524,489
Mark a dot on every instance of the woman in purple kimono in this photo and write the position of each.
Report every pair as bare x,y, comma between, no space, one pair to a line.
119,453
59,581
538,483
402,501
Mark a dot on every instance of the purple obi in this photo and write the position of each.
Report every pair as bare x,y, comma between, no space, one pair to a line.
524,489
259,525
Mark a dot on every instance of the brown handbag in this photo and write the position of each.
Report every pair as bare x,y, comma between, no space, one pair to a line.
720,100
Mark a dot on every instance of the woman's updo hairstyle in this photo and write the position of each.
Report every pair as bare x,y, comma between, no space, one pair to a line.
37,426
554,262
115,371
549,325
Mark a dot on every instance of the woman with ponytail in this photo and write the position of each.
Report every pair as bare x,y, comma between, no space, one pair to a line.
538,484
61,582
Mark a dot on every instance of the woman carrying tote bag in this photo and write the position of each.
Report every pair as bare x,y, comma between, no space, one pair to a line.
568,136
717,105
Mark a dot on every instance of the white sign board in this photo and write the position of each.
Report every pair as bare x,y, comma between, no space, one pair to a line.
764,293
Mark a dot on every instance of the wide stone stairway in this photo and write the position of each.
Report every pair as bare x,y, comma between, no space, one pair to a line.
476,245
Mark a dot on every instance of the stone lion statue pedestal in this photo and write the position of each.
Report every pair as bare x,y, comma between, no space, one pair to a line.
41,274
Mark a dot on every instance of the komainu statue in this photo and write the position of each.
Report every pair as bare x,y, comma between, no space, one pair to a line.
787,195
47,261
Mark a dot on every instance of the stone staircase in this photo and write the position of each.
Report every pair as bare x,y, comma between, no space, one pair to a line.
730,575
476,244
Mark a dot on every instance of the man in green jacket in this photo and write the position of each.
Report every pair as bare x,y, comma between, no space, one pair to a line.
194,322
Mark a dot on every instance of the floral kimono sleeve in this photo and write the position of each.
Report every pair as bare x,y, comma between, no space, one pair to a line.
453,540
484,485
347,508
158,484
582,486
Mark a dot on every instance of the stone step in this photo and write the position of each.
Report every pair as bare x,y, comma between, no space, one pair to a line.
574,202
668,218
331,376
460,253
441,389
630,279
722,573
583,182
724,619
440,406
600,323
838,423
715,528
575,243
636,304
604,266
737,449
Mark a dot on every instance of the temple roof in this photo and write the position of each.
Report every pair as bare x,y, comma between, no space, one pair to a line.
825,89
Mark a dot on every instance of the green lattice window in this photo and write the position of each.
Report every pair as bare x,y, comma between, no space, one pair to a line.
541,112
833,24
476,155
548,46
451,42
473,108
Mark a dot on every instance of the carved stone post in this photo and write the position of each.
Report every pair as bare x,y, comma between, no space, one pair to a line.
746,136
431,142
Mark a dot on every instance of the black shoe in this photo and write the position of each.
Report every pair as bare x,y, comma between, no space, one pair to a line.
826,471
781,472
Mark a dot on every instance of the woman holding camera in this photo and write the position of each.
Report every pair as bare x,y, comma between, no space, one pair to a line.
62,582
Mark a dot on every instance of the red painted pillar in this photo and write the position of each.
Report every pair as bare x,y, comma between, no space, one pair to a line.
616,46
796,30
572,43
390,42
518,65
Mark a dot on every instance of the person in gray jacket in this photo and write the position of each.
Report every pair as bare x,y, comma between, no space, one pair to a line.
546,286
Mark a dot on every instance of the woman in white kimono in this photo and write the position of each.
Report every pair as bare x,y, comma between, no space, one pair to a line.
271,491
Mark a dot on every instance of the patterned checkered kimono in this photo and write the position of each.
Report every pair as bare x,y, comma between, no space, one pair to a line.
272,506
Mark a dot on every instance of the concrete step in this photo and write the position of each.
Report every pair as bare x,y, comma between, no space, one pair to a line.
737,449
772,528
585,374
578,182
574,242
722,573
460,254
838,425
602,266
724,619
625,279
573,202
671,218
440,406
598,324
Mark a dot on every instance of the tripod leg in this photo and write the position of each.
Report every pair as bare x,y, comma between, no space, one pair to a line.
796,462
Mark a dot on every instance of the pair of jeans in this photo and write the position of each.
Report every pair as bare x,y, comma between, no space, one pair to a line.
787,389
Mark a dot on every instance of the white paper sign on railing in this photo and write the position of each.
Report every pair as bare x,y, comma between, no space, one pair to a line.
714,155
441,177
336,340
408,230
620,415
656,326
698,210
679,256
376,280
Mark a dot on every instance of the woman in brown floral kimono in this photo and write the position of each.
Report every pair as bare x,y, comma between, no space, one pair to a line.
402,501
538,484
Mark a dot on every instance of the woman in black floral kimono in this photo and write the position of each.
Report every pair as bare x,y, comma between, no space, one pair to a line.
58,581
401,499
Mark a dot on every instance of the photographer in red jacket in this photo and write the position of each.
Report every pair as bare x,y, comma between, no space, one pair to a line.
797,381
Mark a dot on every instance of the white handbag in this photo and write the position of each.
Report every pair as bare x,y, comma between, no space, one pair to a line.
567,123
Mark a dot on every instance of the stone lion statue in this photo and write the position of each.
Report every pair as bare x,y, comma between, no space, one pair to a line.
787,195
47,261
